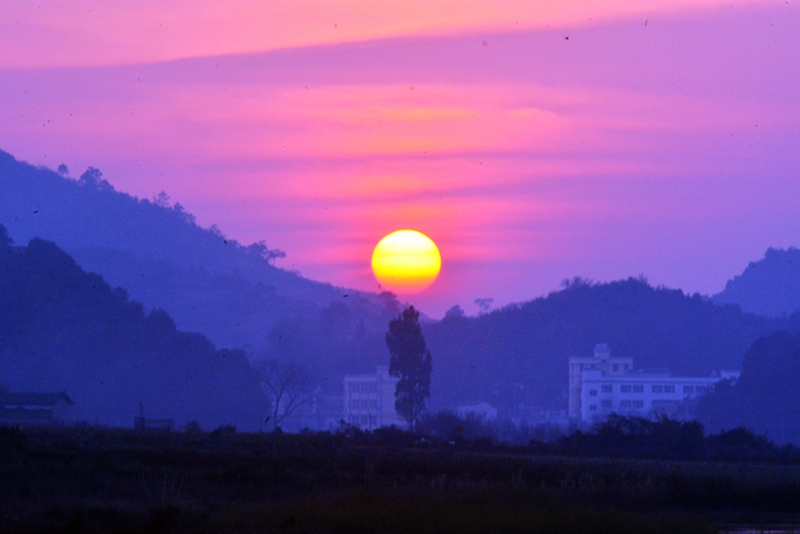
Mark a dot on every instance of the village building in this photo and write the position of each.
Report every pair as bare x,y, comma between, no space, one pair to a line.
35,409
369,400
602,385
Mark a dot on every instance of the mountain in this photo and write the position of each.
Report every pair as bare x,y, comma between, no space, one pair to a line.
770,286
519,353
62,329
206,282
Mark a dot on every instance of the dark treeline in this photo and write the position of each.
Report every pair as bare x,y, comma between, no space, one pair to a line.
519,353
618,437
62,329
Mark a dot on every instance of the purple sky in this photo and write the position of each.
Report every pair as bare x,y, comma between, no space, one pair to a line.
665,144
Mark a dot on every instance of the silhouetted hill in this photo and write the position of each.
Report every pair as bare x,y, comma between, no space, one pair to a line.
766,396
770,286
62,329
519,353
157,252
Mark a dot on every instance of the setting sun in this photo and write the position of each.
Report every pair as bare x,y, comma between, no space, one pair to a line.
406,261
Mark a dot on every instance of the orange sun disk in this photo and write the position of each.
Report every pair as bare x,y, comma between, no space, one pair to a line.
406,261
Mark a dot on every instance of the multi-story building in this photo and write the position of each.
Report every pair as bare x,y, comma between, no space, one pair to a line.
601,361
369,400
602,385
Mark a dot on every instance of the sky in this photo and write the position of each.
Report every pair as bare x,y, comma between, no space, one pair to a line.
532,141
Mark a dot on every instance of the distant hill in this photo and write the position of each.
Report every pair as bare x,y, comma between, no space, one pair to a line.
519,353
62,329
205,281
770,286
765,397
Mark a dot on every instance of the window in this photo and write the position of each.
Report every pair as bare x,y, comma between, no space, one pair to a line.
669,389
593,407
638,389
625,404
592,392
373,404
658,389
606,388
616,368
605,404
688,389
625,389
638,404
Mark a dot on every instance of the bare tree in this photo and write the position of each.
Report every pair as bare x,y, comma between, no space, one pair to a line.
287,385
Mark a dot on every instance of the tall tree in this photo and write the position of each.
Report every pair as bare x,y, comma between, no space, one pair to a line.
410,361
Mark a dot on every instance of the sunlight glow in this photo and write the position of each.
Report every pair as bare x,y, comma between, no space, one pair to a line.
406,261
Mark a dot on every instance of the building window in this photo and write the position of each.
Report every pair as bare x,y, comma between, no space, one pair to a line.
592,392
593,407
606,388
625,389
638,389
688,389
658,389
669,389
625,404
616,368
605,404
638,404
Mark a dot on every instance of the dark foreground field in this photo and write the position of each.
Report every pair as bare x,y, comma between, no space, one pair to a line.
100,480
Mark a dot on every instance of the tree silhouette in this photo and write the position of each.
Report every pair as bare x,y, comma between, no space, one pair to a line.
410,362
287,385
484,305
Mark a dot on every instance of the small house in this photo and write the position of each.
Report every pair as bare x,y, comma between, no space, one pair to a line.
35,409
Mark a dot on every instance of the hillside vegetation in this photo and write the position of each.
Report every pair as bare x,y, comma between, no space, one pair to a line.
62,329
155,250
770,286
519,353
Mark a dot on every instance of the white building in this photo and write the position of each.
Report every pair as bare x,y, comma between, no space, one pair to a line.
601,361
369,400
601,385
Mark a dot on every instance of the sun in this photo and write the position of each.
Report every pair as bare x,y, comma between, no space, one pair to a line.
406,261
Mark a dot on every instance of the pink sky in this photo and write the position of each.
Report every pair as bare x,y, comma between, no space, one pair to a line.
532,143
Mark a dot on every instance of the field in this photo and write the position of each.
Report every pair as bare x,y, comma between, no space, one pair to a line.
105,480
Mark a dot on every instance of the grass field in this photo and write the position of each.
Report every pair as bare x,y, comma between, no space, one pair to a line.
105,480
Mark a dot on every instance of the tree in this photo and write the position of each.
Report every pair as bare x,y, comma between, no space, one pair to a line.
484,305
287,385
93,178
410,361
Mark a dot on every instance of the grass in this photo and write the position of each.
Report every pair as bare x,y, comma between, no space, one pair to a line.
106,480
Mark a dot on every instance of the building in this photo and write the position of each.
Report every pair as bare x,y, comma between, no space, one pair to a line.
147,423
601,361
601,385
369,400
35,409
